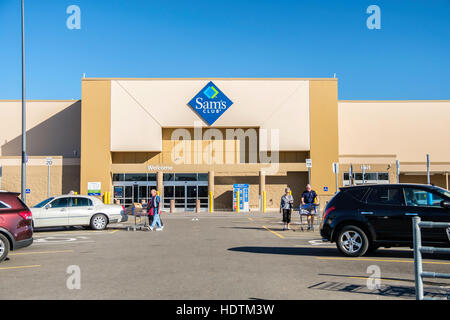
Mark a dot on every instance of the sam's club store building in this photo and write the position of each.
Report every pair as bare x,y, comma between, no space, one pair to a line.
193,139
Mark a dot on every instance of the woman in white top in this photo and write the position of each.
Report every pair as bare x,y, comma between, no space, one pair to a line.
286,204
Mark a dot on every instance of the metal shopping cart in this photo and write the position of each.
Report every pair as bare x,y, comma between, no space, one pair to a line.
142,214
307,209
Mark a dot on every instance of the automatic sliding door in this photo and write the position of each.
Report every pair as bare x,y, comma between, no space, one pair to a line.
203,196
128,200
169,194
180,197
185,189
191,197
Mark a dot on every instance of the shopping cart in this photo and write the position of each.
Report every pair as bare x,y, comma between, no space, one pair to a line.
142,214
306,209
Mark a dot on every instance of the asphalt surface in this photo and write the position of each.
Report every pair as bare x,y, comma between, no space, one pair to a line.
207,256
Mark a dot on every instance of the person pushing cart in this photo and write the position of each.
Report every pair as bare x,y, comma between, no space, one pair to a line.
309,203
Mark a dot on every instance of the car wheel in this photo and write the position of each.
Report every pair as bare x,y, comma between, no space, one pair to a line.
99,222
352,241
4,247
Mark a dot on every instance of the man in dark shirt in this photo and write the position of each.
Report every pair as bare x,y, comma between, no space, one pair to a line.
309,197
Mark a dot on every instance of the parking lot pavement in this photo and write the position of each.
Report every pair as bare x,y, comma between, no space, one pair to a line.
206,256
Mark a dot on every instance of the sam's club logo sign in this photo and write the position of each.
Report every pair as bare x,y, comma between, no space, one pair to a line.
210,103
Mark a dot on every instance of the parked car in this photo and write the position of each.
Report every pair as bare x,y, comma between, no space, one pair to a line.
76,210
15,224
363,218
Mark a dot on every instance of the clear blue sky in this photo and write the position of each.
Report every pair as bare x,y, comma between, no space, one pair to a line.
409,58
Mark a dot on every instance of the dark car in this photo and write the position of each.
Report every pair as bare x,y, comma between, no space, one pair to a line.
16,229
363,218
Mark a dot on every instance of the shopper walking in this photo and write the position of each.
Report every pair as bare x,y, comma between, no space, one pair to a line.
286,204
309,200
146,209
155,210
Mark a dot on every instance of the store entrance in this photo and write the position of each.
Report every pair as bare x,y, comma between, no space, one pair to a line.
129,193
133,188
185,189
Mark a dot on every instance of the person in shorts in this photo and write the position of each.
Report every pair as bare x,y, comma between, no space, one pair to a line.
286,204
309,197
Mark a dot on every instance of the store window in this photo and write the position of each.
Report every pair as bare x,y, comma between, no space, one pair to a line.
369,178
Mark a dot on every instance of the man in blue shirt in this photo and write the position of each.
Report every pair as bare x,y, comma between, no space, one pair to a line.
309,197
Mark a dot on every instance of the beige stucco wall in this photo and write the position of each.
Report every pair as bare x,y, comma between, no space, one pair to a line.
407,129
64,177
141,107
95,135
324,136
53,128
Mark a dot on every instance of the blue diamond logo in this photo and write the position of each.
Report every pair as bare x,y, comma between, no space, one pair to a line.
210,103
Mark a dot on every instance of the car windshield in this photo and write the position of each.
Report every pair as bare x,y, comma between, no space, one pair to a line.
443,191
43,203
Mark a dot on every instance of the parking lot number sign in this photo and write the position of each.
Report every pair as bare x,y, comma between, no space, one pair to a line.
94,188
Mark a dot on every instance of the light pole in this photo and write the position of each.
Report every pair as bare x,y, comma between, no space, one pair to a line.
24,129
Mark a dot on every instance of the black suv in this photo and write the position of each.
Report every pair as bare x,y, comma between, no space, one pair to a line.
364,218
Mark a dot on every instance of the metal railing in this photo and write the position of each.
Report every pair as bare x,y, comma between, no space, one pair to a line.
419,249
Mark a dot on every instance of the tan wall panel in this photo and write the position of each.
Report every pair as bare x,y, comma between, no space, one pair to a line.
275,185
407,129
53,128
95,134
144,107
223,191
324,134
436,179
36,181
70,179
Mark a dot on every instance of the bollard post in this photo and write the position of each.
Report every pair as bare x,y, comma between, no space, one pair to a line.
264,201
238,205
197,205
172,205
211,203
417,258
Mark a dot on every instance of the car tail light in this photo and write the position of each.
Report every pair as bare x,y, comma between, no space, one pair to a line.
123,209
327,212
26,215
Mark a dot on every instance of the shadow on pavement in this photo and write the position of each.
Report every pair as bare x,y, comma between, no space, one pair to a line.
317,251
384,290
425,282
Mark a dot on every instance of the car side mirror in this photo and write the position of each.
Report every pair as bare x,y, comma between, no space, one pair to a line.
445,204
48,206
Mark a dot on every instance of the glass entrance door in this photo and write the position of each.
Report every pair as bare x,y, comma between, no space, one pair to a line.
185,189
132,188
186,196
